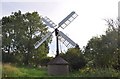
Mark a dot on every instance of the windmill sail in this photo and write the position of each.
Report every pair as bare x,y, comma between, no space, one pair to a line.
62,37
66,21
38,43
49,22
66,40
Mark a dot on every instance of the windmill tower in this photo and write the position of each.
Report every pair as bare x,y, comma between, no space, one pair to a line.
58,66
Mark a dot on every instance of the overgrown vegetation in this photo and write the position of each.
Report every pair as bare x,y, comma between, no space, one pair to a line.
96,72
13,71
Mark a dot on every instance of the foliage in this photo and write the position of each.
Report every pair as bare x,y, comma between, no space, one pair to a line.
98,72
44,61
75,58
20,33
103,51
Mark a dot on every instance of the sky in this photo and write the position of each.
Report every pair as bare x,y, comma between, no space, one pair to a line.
89,23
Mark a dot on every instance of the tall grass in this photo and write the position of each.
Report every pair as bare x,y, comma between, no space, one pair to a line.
0,69
12,71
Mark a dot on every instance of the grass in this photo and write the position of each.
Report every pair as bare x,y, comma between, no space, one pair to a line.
13,71
0,70
34,72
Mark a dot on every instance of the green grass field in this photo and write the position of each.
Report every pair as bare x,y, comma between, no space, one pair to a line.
13,71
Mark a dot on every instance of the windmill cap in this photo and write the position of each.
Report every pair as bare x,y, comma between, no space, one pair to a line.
58,61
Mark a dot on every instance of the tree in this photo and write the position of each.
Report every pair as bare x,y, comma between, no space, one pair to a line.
20,33
103,50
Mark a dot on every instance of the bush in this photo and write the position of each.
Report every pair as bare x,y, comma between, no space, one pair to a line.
90,72
44,61
75,58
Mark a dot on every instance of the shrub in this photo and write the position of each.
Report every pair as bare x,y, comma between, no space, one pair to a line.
75,58
100,72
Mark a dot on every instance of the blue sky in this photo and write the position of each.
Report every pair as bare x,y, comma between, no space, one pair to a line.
89,23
